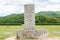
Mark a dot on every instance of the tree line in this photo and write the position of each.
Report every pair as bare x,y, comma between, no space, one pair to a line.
18,19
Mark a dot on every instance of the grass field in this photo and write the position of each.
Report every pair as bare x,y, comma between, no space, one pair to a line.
7,31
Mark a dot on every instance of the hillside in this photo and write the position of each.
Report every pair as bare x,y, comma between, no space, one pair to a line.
50,13
48,17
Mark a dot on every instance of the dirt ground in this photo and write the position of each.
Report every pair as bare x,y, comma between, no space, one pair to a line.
49,38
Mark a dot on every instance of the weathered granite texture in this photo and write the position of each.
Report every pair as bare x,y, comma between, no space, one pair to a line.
31,34
29,20
29,17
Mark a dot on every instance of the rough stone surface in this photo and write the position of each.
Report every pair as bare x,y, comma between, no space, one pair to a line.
29,20
30,34
29,17
42,33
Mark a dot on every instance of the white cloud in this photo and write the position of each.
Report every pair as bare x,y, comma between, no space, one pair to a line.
50,8
10,6
15,1
53,7
55,1
6,10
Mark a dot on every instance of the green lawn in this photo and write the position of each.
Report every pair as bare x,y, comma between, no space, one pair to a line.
7,31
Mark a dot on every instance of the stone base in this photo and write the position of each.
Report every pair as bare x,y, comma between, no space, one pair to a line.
28,39
32,34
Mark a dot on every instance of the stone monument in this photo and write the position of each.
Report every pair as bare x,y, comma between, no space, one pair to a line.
29,22
29,17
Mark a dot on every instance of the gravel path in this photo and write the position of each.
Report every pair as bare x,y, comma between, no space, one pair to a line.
53,38
11,38
14,38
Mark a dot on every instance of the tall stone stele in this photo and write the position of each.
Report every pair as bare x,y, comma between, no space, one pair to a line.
29,20
29,17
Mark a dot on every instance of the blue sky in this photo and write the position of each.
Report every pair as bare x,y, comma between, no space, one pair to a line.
17,6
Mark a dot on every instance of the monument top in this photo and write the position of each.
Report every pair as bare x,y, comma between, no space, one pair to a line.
28,4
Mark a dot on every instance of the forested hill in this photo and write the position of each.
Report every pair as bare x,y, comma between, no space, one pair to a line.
50,13
44,17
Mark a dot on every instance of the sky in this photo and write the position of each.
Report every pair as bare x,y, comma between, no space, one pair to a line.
8,7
